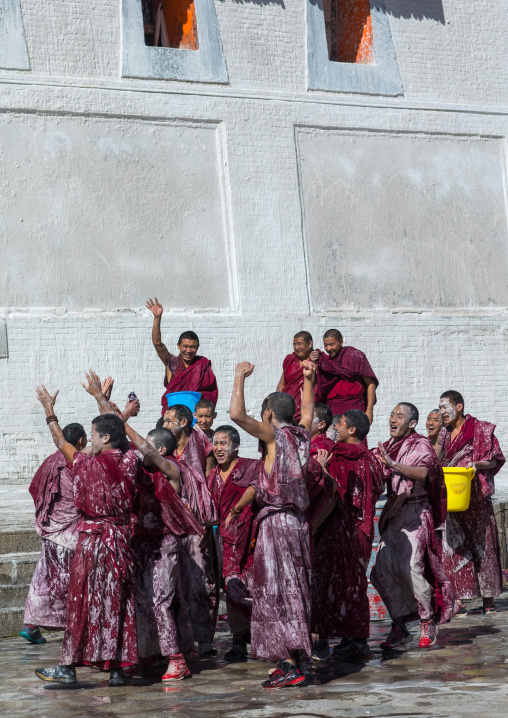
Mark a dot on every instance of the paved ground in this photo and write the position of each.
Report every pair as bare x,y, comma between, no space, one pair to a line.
464,675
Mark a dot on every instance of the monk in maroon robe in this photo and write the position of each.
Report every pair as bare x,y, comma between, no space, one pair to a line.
291,380
340,606
56,518
101,624
318,434
235,542
345,379
185,371
162,519
408,573
198,558
281,568
471,552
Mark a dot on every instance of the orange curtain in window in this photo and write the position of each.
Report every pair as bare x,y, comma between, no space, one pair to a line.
180,18
354,31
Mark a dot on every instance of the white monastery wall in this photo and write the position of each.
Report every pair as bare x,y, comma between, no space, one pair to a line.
252,209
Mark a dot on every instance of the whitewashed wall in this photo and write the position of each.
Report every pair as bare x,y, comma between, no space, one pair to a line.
252,210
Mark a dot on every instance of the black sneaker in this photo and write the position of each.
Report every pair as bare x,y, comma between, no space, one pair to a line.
321,650
117,678
342,648
285,675
32,634
57,674
237,653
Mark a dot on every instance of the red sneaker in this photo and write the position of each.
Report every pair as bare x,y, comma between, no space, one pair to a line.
286,675
428,633
398,636
177,669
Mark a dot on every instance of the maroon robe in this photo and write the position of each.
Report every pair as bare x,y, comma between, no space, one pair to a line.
321,441
339,380
471,552
56,518
162,615
101,624
340,605
293,381
198,376
198,559
408,573
281,568
236,542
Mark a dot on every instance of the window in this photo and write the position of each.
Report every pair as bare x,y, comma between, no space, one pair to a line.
172,40
13,50
350,48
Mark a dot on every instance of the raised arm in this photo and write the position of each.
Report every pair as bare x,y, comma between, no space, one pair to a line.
415,473
153,457
237,411
48,402
371,396
160,348
93,386
309,381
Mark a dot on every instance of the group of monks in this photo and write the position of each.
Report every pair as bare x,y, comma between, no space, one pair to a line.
139,535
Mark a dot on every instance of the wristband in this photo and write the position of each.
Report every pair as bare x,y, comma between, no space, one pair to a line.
51,418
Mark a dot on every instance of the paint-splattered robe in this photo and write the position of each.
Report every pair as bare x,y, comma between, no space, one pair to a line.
408,573
340,606
236,542
339,380
101,622
56,518
471,552
162,519
198,560
281,568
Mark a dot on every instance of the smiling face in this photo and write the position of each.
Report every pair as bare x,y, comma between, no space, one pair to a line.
302,348
400,422
188,349
449,412
172,423
223,449
434,424
343,430
332,346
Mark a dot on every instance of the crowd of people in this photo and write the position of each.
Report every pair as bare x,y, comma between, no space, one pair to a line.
139,535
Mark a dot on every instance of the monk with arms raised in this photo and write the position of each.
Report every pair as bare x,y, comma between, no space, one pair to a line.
185,371
281,568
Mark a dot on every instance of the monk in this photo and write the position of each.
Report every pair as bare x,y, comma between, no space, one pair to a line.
319,430
101,624
198,559
340,605
281,568
471,552
56,519
434,425
186,371
227,483
162,519
291,380
408,573
345,379
205,414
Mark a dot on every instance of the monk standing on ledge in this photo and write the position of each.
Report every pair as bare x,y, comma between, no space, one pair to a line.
345,379
187,371
291,381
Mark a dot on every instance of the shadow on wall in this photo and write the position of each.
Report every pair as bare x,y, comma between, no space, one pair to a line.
412,9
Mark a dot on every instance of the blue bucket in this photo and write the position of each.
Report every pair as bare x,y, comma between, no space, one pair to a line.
187,398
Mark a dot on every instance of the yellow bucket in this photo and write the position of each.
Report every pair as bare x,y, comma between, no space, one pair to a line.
458,487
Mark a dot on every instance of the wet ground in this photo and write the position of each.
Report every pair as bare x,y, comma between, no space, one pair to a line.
465,674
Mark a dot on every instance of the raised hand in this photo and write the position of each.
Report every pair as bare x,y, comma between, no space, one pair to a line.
93,384
309,369
47,400
131,409
116,410
314,355
244,369
384,458
107,386
154,307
